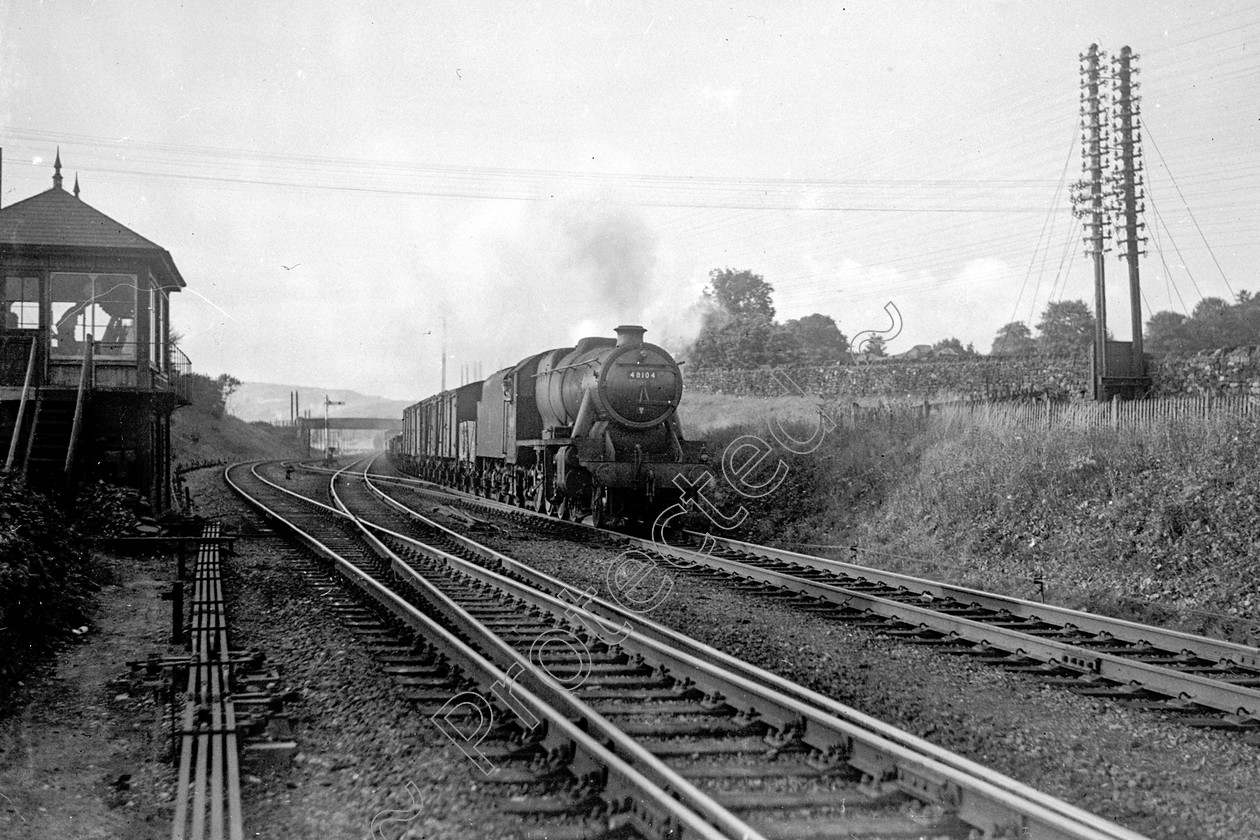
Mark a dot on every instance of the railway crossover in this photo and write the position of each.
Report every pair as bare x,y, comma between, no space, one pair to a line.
671,736
1204,682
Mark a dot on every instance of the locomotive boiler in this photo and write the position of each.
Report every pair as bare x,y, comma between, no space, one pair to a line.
586,430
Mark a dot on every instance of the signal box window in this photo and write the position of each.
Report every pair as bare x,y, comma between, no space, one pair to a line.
102,306
21,303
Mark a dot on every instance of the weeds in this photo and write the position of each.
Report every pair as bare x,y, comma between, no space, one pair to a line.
1158,522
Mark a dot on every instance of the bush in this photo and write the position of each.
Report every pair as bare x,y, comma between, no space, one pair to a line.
1158,524
825,492
46,582
1132,522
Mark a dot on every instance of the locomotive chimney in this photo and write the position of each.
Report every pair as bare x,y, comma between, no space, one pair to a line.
629,334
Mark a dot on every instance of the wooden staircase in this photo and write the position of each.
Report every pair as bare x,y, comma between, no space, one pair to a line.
48,441
44,428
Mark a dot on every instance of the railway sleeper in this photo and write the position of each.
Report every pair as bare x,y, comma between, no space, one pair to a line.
664,707
705,727
1225,723
773,769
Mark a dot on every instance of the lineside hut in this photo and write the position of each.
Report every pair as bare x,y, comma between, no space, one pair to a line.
88,376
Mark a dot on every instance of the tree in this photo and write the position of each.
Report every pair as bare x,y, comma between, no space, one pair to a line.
732,344
819,339
1247,318
737,329
227,387
741,294
1014,339
783,347
1167,332
955,345
1213,323
204,393
1066,328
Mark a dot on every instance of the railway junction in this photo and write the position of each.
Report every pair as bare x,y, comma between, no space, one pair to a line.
426,601
511,609
426,641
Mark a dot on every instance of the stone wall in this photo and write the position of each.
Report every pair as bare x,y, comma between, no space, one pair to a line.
1228,371
1225,372
912,381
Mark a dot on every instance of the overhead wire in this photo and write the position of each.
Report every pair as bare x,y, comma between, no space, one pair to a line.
777,221
1048,220
1190,212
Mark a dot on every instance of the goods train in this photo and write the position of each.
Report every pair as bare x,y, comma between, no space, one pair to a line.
581,431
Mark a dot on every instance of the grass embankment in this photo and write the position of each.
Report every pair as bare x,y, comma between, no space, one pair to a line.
200,436
1158,524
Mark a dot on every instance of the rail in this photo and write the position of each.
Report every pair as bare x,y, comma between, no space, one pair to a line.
1119,658
561,733
87,376
21,412
208,793
983,799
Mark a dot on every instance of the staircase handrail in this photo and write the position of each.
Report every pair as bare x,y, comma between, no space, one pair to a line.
86,383
21,412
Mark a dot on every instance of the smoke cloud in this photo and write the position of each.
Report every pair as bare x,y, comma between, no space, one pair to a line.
530,277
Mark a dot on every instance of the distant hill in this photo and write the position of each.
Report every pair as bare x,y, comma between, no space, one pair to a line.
268,401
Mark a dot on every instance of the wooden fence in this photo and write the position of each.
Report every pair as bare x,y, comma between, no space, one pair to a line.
1116,414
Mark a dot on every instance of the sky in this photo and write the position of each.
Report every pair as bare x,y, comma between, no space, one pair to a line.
345,186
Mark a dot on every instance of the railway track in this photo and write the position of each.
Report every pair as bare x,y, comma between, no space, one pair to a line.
1204,682
738,751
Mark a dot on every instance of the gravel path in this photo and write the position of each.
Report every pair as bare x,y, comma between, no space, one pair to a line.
1157,777
81,756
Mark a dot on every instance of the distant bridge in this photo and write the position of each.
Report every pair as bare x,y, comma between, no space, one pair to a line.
347,434
380,424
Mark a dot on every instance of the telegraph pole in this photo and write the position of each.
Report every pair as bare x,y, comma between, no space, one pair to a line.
1094,151
1129,169
443,353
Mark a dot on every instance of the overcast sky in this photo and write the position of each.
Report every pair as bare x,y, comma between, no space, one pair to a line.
335,179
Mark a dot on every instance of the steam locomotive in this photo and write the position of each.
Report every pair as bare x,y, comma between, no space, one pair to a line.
581,431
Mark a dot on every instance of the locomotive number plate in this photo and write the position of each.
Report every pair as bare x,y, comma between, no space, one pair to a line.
642,374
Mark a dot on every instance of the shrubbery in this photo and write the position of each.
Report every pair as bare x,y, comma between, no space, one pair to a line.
46,581
824,493
1161,524
1124,521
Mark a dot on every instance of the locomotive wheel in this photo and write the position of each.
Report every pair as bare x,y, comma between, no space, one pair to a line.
599,507
538,504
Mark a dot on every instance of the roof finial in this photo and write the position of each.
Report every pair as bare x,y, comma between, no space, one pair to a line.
76,185
57,170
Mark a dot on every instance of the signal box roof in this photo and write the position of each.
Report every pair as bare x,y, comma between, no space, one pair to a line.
55,221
